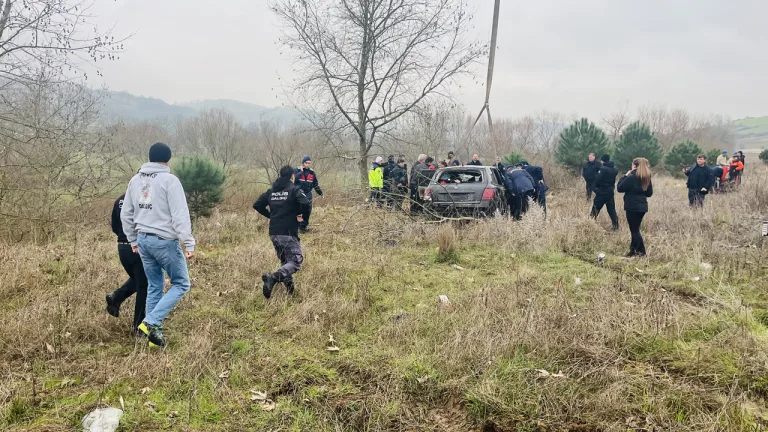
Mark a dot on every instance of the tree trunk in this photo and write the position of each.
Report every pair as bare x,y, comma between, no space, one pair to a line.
363,162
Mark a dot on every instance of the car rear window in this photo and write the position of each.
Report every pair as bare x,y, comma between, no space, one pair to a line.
457,176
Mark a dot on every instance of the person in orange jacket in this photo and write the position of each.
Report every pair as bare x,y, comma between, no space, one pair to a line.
736,167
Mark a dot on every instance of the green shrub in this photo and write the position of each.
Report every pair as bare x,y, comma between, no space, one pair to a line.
578,141
682,155
514,157
764,155
637,140
712,156
203,182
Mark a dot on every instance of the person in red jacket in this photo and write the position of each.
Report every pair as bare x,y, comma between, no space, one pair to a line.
735,169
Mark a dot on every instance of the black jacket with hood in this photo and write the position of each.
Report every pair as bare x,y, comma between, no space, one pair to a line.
589,171
635,198
388,170
605,182
699,177
399,177
117,224
286,201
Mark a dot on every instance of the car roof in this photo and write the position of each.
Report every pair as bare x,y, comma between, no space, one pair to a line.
462,168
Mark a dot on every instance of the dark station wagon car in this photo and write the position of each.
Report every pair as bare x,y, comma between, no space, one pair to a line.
470,191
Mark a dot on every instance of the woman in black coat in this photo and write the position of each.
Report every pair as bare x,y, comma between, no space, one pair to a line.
637,188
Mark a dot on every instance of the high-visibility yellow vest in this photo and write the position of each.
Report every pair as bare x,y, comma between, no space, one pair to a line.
376,177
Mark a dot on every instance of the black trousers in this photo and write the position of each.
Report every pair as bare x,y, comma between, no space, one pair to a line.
590,186
376,197
610,206
696,198
417,206
398,196
518,205
136,283
303,225
634,220
387,193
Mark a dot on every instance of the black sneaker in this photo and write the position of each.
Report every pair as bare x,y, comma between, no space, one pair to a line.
154,334
269,282
113,308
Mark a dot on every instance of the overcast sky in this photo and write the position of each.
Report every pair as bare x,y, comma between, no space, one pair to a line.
581,57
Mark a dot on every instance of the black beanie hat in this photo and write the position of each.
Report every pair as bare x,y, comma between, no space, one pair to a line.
159,152
605,158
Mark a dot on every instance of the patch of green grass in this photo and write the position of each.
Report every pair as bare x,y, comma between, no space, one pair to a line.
18,412
239,347
753,125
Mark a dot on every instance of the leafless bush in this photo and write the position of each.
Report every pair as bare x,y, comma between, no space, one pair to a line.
55,160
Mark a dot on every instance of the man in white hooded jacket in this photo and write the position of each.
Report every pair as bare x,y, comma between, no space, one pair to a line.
156,222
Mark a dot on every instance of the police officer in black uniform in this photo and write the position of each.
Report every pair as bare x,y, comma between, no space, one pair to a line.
286,206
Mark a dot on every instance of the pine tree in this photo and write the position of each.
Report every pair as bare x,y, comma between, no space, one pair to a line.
203,182
513,158
712,155
682,155
578,141
764,155
637,140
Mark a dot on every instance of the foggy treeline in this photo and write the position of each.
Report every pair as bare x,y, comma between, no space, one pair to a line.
59,156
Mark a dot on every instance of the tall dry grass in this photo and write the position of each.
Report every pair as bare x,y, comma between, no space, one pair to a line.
642,345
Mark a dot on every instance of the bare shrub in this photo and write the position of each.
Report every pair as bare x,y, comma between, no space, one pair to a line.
446,246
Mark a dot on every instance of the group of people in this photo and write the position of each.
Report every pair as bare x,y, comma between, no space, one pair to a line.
600,177
389,182
523,183
703,179
151,221
728,171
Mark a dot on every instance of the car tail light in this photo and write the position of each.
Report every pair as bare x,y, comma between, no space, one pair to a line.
488,194
427,195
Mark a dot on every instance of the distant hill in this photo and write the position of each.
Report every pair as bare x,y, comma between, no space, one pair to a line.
751,133
246,112
128,107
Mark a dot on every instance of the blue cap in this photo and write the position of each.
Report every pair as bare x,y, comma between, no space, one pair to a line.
306,159
725,151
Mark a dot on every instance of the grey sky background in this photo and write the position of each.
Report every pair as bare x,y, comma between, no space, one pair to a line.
581,57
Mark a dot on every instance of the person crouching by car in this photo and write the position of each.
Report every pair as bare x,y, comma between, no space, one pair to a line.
519,185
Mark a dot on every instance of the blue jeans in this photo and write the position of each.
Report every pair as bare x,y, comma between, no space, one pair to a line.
158,255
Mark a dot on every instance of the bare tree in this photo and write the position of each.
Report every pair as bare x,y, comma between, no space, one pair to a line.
55,158
131,141
614,123
49,34
216,132
369,62
276,147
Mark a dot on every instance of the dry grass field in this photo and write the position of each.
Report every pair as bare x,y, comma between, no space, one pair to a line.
538,336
